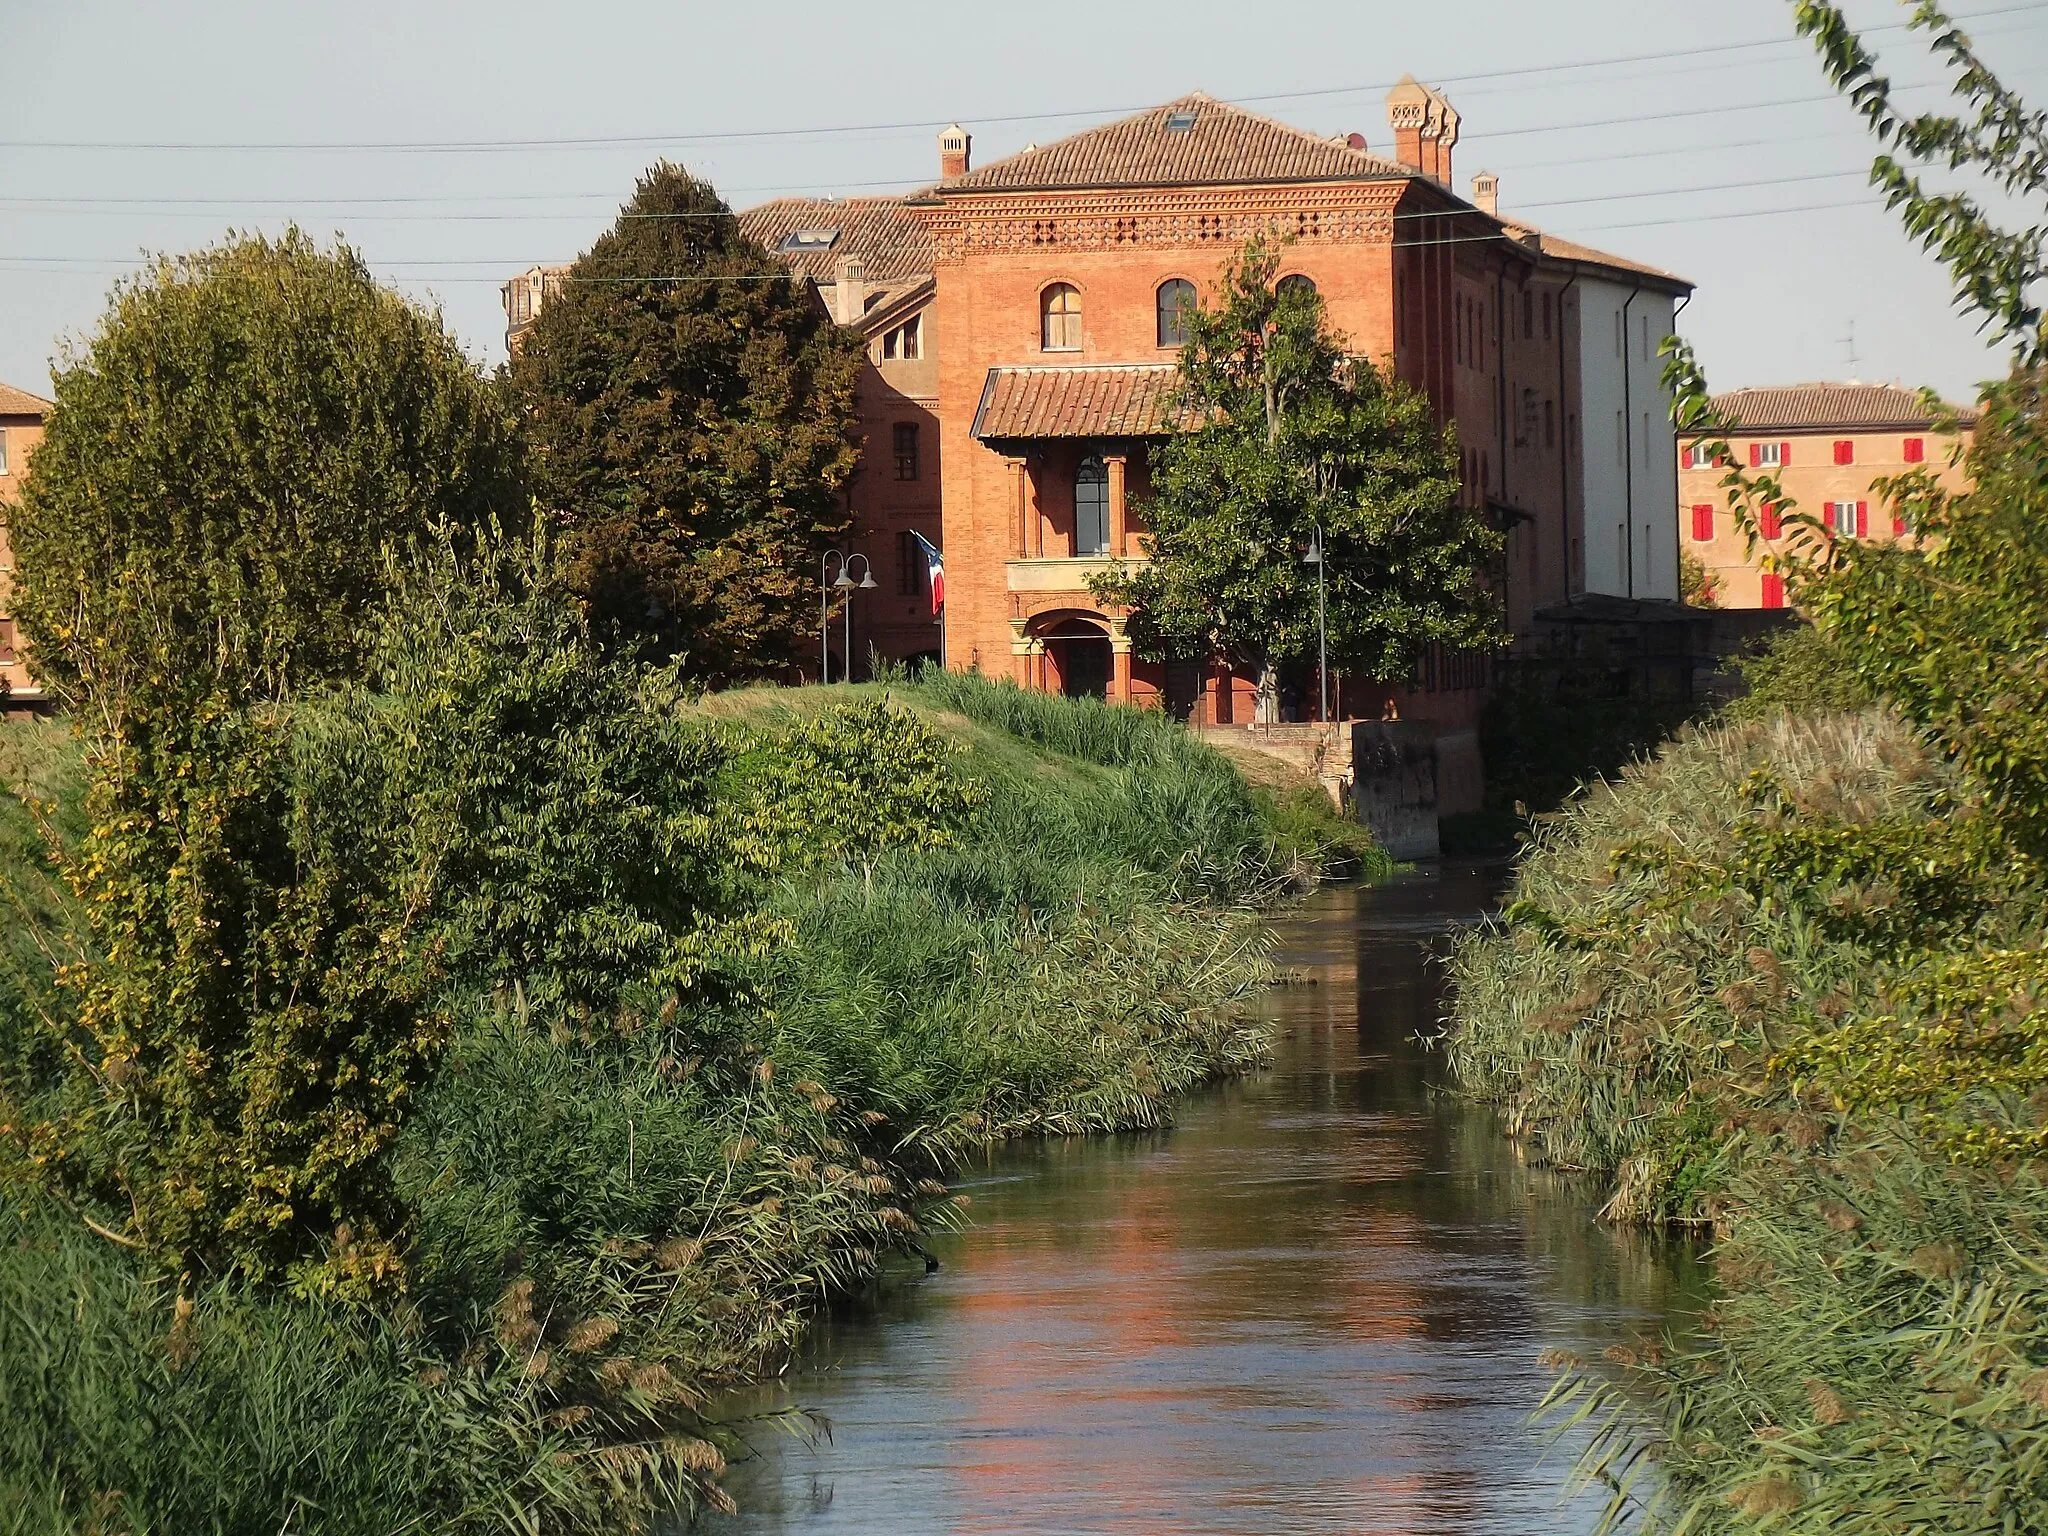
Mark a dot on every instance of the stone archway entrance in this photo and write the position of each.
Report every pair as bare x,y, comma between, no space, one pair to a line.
1078,659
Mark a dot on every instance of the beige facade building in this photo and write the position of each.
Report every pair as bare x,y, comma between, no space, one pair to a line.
1828,444
21,428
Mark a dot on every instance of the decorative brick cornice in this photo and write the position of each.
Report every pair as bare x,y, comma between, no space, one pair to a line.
1337,213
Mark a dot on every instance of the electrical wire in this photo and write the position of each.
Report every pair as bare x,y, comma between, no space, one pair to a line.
486,146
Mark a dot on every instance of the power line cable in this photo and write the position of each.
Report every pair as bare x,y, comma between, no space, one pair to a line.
479,146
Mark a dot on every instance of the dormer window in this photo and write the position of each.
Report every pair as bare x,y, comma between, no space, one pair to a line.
800,242
1059,327
1181,122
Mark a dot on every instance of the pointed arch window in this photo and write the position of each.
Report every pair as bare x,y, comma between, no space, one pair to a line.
1176,298
1059,313
1091,508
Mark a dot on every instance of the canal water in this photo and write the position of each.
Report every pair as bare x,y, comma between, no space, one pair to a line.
1313,1305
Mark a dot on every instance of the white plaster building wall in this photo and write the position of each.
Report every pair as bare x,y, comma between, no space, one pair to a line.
1628,447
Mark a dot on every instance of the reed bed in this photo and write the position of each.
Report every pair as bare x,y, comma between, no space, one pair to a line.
615,1212
1877,1360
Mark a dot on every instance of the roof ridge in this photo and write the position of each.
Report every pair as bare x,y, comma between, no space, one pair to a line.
1344,144
1350,161
10,393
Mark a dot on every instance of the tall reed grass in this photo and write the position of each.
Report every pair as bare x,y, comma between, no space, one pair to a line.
1878,1358
615,1209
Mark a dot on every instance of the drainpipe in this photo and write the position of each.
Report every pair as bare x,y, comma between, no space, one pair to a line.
1564,447
1628,449
1500,381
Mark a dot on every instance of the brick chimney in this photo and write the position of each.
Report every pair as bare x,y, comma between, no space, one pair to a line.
1425,129
1486,193
956,152
1407,112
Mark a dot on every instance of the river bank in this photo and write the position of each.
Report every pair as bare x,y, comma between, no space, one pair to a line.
616,1212
1316,1304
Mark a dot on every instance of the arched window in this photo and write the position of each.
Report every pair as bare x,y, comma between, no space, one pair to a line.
1091,508
1295,283
1060,318
1176,298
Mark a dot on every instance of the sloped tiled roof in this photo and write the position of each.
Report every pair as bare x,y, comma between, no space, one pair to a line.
19,402
1134,400
1225,146
891,242
1561,249
1784,407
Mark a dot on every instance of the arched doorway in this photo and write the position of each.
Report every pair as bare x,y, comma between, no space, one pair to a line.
1079,657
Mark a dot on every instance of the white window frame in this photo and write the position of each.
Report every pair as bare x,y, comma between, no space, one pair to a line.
1842,518
1770,456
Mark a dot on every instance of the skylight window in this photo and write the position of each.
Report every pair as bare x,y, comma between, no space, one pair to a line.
798,241
1180,122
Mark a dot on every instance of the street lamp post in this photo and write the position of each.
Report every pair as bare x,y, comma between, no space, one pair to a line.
843,582
1315,558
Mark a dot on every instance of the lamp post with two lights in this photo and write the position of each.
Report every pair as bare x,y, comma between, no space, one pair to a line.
843,582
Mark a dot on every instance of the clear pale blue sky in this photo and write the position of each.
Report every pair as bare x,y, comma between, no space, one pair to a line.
1732,165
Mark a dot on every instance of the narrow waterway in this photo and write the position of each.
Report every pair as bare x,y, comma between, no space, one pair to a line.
1314,1305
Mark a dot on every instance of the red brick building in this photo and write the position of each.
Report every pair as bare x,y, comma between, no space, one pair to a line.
1022,337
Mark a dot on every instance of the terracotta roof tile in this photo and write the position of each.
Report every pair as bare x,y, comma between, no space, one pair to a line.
19,402
1134,400
1225,145
891,242
1561,249
1824,405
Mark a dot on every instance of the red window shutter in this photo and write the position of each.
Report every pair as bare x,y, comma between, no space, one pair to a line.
1703,521
1784,455
1756,455
1916,449
1774,590
1771,525
1845,452
1862,519
1898,526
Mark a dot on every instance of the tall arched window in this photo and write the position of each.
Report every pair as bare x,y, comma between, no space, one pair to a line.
1091,508
1295,283
1060,318
1176,298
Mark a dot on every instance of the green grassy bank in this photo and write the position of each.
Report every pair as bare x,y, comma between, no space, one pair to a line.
1755,984
922,917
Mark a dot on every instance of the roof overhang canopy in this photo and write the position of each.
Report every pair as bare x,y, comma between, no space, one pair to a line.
1127,401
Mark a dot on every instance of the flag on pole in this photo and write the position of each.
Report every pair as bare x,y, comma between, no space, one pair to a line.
934,569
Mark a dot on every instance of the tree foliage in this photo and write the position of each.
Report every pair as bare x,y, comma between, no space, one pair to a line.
1844,986
1297,435
693,424
228,455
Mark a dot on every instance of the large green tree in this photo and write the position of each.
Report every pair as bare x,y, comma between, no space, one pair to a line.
693,423
1296,435
229,454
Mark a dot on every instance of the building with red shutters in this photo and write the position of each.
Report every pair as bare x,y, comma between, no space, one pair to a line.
21,428
1021,320
1827,444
